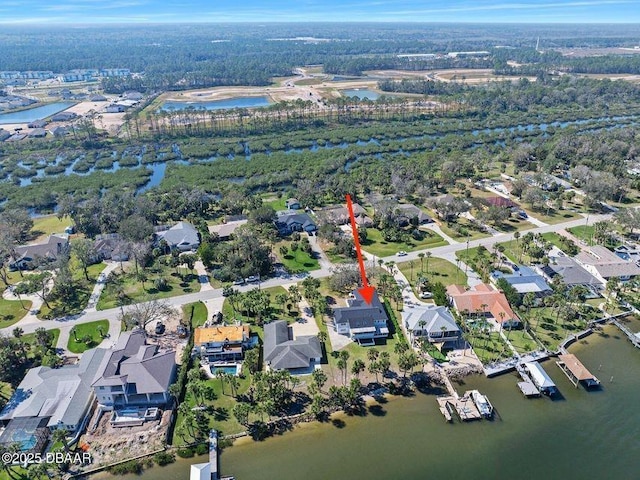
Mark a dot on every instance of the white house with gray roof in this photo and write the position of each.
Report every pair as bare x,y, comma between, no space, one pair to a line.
283,352
436,324
61,397
182,236
603,264
361,321
135,374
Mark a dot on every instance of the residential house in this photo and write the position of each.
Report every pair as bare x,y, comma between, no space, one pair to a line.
37,124
628,252
115,108
133,95
339,215
4,134
289,222
447,207
226,230
293,204
283,352
182,236
603,264
134,373
361,321
64,116
97,98
570,271
28,256
525,280
408,212
221,344
501,202
436,324
483,300
110,246
51,398
37,133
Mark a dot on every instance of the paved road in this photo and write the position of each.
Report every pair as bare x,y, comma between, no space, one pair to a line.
30,324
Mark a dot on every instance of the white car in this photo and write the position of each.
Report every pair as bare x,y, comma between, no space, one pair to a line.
425,295
402,253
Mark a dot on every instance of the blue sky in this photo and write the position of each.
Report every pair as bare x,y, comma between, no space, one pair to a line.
151,11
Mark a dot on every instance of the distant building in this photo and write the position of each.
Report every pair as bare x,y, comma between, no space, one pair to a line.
27,256
292,204
525,280
37,124
408,212
64,116
110,246
114,108
226,230
37,133
603,264
571,272
339,215
362,322
283,352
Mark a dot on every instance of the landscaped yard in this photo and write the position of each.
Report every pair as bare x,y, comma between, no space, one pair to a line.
11,311
583,232
488,347
194,314
555,216
521,340
30,338
88,335
440,270
132,290
297,261
375,245
278,311
465,231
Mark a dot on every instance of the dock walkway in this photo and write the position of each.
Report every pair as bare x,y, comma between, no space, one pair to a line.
498,368
633,337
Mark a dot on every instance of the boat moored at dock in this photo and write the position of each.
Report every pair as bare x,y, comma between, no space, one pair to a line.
482,403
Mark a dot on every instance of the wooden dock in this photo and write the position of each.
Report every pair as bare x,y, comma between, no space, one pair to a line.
464,407
634,338
576,372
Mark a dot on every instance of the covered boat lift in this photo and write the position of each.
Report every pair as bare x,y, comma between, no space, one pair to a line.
541,379
576,372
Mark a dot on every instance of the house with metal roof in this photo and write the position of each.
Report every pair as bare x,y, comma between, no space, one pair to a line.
360,321
436,324
134,373
525,280
284,352
603,264
53,397
571,272
182,236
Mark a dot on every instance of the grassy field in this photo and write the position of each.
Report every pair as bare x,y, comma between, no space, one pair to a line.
30,338
11,311
440,270
489,347
583,232
278,311
375,245
44,226
87,329
134,291
296,261
464,223
274,202
521,340
195,314
555,216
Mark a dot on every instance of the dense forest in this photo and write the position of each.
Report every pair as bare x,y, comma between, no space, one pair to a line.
191,56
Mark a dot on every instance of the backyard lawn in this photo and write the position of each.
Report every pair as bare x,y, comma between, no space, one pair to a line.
440,270
297,261
488,347
521,340
194,314
375,245
45,226
88,335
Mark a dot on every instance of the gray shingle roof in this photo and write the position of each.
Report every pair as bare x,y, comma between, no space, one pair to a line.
281,351
133,362
182,233
436,319
61,393
358,313
525,280
570,271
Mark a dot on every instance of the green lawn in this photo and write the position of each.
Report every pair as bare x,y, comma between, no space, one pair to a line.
87,329
375,245
440,270
463,232
30,338
489,348
555,216
278,311
298,261
551,330
11,311
513,224
583,232
521,340
178,283
195,314
274,202
44,226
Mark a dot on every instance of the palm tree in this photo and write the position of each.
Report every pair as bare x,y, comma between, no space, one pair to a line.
428,255
421,257
60,435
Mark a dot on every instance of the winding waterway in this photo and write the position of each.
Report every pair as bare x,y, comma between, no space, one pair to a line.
33,114
585,435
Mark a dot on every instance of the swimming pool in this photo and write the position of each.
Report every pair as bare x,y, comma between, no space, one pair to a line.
229,369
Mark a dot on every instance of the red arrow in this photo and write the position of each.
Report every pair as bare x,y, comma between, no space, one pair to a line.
366,291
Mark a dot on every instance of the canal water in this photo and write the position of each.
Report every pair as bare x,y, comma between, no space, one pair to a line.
360,93
36,113
584,435
236,102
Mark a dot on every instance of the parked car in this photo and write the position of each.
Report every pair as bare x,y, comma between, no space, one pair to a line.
239,281
425,295
160,328
251,279
402,253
